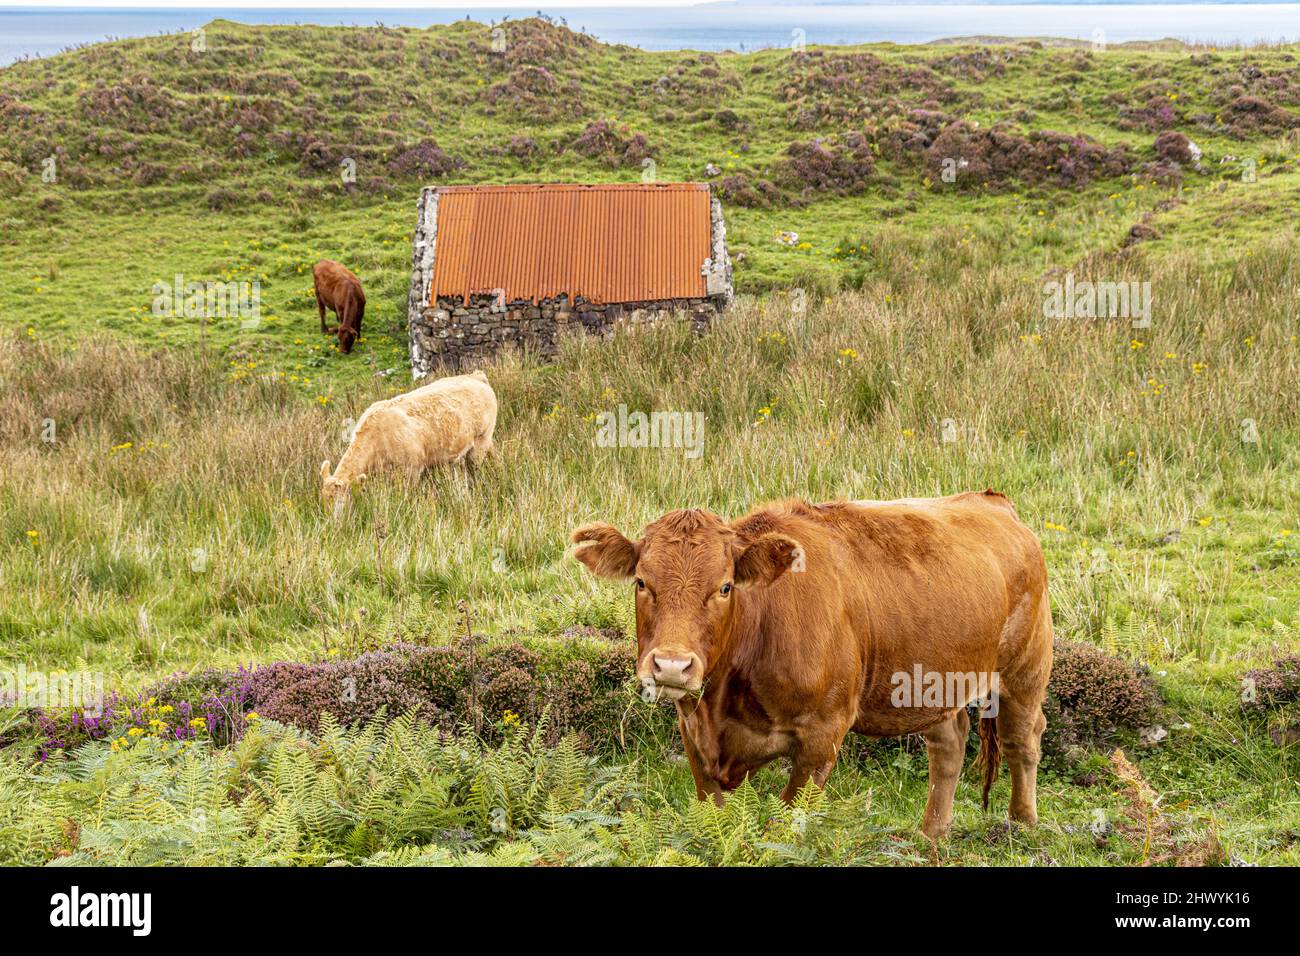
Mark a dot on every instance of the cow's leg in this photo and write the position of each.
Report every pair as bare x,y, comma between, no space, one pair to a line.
808,766
945,744
706,786
481,448
814,760
1020,721
345,318
1020,730
320,307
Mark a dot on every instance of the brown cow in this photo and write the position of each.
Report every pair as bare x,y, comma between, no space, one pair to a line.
782,631
338,288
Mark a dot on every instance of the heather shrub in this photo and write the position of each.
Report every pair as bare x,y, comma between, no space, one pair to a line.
1248,116
1172,146
828,165
377,185
740,190
729,120
1270,688
146,174
637,149
12,108
424,160
1152,106
914,133
538,40
12,179
222,198
850,88
697,80
1157,113
598,139
352,691
979,64
613,146
133,103
1093,699
580,689
999,157
523,148
524,86
315,155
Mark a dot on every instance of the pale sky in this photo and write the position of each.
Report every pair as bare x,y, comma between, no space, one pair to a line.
351,4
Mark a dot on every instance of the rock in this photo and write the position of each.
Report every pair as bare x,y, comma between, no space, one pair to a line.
1140,232
1150,736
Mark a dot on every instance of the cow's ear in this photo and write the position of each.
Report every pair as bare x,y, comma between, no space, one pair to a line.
766,559
605,552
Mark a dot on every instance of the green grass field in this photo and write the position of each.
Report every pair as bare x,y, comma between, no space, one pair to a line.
174,523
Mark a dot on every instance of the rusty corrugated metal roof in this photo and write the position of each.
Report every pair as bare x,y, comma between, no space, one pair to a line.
617,242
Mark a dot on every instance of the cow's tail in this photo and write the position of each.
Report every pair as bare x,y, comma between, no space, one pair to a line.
990,757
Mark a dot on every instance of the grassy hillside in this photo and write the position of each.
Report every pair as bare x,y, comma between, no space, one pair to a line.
175,523
228,162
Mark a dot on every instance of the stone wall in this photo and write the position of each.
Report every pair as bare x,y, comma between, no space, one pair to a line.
422,244
452,334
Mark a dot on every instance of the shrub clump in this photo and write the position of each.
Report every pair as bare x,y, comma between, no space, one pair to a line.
1152,107
697,80
222,198
1093,699
540,40
523,148
851,88
1270,688
133,103
1173,147
313,154
424,160
739,190
614,146
1248,116
914,133
998,156
979,64
525,87
828,166
488,688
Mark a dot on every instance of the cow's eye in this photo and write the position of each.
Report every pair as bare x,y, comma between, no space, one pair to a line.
725,589
640,585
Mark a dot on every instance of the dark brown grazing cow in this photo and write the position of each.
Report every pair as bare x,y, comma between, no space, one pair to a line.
338,288
782,631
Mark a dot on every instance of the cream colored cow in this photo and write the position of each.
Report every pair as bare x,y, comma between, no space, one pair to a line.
450,420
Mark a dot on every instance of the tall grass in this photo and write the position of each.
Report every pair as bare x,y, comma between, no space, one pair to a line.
204,539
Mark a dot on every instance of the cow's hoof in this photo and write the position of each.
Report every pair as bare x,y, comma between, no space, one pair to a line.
936,833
